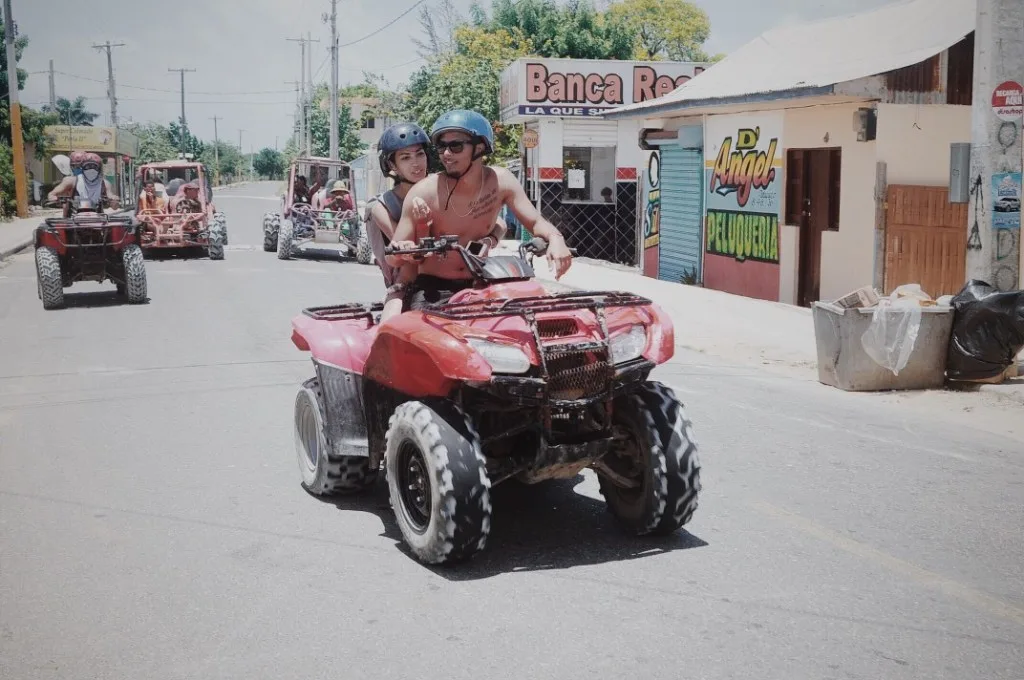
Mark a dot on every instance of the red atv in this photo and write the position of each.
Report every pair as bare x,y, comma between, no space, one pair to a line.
88,245
509,379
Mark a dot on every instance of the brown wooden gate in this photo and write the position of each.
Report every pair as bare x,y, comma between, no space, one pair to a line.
925,239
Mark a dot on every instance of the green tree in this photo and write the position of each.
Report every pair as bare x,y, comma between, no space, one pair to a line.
71,112
573,31
350,145
32,126
192,143
470,78
154,142
230,159
269,163
672,29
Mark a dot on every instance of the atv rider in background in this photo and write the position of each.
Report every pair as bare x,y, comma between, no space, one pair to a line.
187,199
465,200
90,186
339,198
403,158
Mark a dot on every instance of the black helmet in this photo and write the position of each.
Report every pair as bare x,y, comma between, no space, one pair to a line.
397,137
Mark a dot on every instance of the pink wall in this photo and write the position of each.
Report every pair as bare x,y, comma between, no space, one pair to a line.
750,277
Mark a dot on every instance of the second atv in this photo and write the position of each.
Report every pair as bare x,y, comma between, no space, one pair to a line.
509,379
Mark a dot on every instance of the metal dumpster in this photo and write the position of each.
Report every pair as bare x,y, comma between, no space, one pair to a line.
843,363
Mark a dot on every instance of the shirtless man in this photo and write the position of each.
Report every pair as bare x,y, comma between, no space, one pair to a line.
464,200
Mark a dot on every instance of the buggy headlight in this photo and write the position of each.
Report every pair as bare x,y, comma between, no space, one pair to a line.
502,358
629,345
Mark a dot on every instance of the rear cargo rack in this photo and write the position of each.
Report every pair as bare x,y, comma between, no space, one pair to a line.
344,312
528,306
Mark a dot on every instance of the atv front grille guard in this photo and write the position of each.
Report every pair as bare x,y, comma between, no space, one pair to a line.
69,230
573,375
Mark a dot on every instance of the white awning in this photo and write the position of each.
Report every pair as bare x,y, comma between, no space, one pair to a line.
812,57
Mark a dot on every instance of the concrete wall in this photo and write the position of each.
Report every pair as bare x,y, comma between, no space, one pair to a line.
847,255
913,141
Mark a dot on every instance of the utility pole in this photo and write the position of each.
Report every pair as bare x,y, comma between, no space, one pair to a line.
184,124
216,152
334,79
300,134
110,79
20,181
309,92
306,98
997,114
53,89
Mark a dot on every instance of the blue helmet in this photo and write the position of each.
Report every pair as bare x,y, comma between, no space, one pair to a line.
397,137
469,122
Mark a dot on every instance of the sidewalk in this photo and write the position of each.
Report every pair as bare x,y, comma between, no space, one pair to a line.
771,336
16,235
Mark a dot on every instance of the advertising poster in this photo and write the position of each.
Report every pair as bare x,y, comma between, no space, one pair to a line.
743,184
1006,190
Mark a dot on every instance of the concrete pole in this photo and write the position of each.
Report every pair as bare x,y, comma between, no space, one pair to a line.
997,116
334,81
184,124
111,85
53,89
216,152
17,141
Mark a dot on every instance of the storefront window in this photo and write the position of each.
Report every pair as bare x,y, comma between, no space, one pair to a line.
589,174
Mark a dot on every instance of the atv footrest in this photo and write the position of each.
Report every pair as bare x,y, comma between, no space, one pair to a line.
344,312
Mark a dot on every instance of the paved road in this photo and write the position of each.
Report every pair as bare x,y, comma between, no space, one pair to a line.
152,524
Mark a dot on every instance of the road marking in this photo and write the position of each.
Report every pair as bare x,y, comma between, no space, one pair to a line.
975,598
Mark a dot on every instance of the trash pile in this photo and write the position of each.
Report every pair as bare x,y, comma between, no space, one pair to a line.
988,334
984,338
895,322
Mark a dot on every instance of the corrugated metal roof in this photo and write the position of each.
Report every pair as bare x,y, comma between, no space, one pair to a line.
811,56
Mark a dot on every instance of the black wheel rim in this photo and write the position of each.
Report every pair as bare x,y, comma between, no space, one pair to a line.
414,486
627,458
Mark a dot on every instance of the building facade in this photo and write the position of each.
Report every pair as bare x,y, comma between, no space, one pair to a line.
581,171
824,172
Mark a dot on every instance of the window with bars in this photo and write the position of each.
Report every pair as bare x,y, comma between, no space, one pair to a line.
588,174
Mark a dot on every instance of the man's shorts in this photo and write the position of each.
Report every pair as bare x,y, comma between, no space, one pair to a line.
431,290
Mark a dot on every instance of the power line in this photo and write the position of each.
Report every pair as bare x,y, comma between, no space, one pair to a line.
387,25
157,89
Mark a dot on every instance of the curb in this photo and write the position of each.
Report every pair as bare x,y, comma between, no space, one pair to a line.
15,249
1005,393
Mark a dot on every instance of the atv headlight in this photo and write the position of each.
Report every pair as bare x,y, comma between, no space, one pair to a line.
629,345
502,358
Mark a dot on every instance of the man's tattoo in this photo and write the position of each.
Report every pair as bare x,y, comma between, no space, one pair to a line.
485,204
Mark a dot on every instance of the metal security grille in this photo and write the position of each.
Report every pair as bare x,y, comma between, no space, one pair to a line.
600,231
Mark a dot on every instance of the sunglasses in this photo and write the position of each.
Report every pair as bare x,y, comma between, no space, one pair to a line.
456,147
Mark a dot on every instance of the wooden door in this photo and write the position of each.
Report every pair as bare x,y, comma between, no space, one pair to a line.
813,179
925,239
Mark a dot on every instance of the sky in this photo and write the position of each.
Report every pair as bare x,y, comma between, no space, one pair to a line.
243,61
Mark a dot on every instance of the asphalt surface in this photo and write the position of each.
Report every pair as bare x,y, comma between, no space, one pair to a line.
152,524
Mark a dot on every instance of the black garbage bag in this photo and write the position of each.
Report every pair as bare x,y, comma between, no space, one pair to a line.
988,331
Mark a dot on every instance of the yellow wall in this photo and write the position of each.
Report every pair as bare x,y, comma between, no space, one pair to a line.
847,255
914,140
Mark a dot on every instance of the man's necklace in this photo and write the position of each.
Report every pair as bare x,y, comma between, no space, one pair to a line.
473,202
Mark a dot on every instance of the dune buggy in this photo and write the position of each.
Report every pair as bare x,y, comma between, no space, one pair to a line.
299,222
88,245
513,378
183,225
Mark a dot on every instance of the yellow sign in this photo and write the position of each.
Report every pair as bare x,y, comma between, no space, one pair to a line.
531,138
88,138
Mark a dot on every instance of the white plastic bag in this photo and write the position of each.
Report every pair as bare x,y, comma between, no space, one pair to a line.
891,337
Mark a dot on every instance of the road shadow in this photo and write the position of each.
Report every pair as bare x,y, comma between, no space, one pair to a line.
169,254
534,528
105,298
